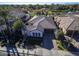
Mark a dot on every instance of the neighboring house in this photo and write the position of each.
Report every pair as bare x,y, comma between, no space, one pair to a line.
39,25
72,13
69,24
20,14
57,19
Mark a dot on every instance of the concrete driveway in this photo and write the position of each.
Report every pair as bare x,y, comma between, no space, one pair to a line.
47,40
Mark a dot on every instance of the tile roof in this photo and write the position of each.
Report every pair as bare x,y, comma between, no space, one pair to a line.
74,25
65,22
48,23
69,23
41,23
17,13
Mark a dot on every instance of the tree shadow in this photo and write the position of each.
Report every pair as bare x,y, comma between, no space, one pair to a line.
76,37
74,50
11,49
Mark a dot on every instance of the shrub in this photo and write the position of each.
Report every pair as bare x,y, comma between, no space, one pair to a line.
59,34
60,45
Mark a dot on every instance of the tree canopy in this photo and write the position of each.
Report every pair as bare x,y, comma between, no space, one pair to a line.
17,25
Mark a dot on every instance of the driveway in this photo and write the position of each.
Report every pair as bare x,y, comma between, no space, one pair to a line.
47,40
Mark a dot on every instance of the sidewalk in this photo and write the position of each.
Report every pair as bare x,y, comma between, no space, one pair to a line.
20,51
38,51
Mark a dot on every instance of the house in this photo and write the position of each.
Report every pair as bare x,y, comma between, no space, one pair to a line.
57,19
72,13
18,13
69,24
39,25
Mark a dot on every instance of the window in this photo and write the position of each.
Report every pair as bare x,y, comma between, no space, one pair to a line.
33,34
38,34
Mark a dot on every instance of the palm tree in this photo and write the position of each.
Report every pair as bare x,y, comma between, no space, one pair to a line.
17,26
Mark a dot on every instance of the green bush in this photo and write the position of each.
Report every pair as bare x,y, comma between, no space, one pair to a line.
60,45
59,34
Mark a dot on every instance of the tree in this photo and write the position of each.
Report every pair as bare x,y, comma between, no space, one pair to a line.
17,25
50,12
17,30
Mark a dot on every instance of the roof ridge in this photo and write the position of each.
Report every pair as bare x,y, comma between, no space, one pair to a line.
40,22
33,18
50,21
70,24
